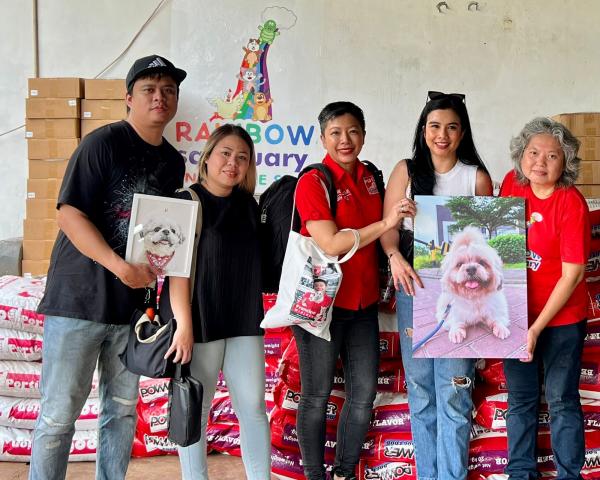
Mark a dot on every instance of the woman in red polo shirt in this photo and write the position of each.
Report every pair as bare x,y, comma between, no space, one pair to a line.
354,327
546,165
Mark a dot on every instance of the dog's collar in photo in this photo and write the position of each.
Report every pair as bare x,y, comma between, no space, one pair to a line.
159,261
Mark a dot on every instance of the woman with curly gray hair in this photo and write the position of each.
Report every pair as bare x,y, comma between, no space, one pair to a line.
546,165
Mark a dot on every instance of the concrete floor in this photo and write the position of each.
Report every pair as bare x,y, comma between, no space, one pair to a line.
220,467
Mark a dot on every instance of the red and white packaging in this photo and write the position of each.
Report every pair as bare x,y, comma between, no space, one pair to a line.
391,447
390,414
152,445
592,267
491,372
589,381
153,417
15,445
24,412
276,341
153,389
389,345
22,379
269,300
591,344
491,413
221,410
285,464
385,470
224,438
19,299
17,345
488,455
289,368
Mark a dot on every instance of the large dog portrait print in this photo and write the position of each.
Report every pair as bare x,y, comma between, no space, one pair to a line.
470,255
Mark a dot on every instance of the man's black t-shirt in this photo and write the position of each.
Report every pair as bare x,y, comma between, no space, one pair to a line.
109,166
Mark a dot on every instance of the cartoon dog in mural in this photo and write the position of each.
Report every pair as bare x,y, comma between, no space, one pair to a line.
261,107
472,290
228,107
252,52
251,79
162,237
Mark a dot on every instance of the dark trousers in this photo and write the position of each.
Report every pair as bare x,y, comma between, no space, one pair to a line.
558,354
354,338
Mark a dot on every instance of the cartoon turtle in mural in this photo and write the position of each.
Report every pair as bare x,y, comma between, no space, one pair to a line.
268,32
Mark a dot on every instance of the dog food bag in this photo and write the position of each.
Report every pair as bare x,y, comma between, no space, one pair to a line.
589,381
153,417
289,368
18,345
15,445
22,379
488,454
390,446
19,299
491,372
224,438
152,445
152,389
381,469
389,345
285,464
390,414
24,412
591,344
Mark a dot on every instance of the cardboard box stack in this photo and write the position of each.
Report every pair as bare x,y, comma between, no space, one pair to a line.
586,127
103,103
52,130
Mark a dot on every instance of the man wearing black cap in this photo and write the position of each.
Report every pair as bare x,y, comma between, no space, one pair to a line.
91,290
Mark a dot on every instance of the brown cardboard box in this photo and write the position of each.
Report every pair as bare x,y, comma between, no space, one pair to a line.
589,191
35,267
44,229
105,88
52,108
37,249
590,148
589,173
580,124
55,87
47,168
49,148
103,109
43,187
52,128
88,126
40,208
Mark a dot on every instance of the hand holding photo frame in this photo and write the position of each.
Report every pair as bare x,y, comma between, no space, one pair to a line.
470,255
161,234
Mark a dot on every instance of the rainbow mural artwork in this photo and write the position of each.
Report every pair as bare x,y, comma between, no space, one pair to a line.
251,98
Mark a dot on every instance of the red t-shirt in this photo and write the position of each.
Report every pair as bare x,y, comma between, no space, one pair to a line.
558,230
358,205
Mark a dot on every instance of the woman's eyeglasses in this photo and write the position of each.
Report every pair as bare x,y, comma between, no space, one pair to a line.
431,95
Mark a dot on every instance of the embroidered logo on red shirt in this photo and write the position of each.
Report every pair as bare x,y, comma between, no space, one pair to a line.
343,194
533,260
371,185
535,217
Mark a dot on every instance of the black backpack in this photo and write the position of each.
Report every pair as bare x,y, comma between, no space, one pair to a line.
275,207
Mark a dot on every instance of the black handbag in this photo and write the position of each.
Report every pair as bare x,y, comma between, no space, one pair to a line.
148,341
185,407
150,338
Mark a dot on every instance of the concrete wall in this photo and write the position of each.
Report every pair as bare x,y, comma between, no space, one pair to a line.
513,59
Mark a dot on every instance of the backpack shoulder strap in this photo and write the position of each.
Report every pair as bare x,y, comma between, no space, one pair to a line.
377,175
331,191
194,196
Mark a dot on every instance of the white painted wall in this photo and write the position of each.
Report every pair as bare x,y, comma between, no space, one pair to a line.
513,59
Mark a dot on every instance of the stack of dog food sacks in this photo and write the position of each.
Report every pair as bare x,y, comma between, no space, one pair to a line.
20,370
52,131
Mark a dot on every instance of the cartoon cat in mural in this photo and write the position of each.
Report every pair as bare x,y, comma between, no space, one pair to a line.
252,52
251,79
260,107
228,107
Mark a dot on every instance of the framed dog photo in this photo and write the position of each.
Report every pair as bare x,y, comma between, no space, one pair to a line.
470,255
161,234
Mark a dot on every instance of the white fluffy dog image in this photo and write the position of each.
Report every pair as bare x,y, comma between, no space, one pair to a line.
161,238
472,287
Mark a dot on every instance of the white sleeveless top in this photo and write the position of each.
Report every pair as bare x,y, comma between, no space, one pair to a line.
460,180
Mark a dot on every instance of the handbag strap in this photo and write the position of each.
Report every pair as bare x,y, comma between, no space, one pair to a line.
195,197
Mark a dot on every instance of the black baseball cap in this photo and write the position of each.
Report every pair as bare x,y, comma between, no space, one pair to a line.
153,64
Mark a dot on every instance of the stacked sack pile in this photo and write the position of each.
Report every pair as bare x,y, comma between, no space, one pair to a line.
20,370
488,450
387,451
52,130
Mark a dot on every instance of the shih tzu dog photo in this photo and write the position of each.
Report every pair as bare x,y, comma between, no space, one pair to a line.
472,290
161,237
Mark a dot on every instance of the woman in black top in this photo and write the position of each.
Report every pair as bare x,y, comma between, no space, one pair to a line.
222,323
